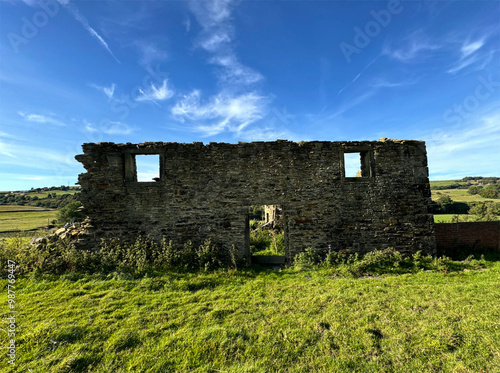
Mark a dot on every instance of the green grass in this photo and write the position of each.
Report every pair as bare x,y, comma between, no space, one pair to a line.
258,321
460,195
25,220
445,218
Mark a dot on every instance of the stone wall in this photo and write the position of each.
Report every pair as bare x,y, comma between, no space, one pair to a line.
204,191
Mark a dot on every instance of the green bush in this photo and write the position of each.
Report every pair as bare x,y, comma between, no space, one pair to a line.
70,213
474,189
485,211
490,191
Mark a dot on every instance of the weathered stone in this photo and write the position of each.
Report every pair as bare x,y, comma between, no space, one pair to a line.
204,191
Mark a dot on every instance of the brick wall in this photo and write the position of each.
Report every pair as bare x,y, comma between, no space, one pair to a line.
474,234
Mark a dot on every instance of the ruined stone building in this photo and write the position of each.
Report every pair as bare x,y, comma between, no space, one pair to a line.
204,191
273,216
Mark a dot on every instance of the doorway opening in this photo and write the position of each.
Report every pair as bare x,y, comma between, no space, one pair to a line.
266,233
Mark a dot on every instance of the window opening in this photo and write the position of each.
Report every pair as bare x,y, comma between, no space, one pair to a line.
352,164
148,167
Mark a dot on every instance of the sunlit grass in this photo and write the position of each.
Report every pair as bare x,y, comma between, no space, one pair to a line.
25,220
259,321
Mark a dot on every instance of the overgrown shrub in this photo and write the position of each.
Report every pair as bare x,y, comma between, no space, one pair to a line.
380,262
59,256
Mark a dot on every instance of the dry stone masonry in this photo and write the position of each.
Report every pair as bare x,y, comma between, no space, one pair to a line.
204,192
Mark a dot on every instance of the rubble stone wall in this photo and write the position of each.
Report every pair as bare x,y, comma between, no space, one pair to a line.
204,191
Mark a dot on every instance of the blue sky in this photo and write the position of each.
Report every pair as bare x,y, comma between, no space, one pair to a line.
228,71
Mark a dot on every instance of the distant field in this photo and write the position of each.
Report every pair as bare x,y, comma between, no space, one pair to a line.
58,192
460,195
435,183
24,220
4,208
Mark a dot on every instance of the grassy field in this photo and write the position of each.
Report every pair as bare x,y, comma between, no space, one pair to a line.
44,194
258,321
16,218
435,183
460,195
15,208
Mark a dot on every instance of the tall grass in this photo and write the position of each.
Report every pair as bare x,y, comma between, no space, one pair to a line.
267,242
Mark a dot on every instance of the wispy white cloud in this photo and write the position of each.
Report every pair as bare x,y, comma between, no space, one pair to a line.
222,112
471,47
385,83
237,105
470,54
234,72
216,38
4,150
32,3
34,157
267,134
110,128
187,24
215,41
411,48
6,135
463,64
73,10
212,13
156,93
150,52
40,118
108,91
460,151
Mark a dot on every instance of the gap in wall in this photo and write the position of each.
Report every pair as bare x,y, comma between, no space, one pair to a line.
352,164
148,167
266,233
